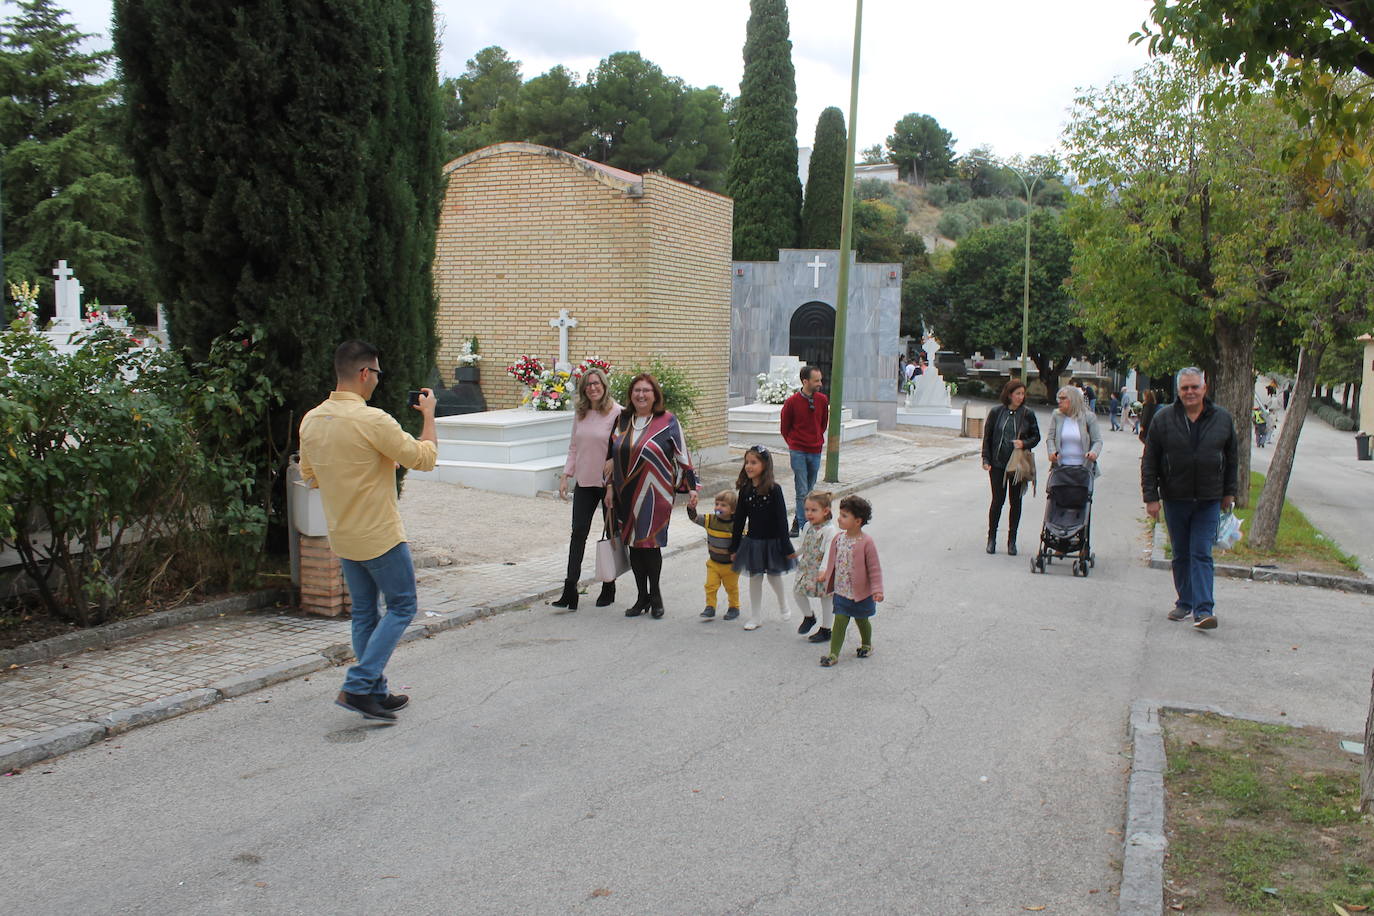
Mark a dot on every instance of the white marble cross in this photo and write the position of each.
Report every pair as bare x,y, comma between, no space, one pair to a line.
563,322
816,265
66,295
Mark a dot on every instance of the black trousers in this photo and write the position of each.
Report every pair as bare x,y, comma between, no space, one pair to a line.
584,503
1002,488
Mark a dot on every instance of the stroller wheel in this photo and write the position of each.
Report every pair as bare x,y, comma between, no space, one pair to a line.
1077,566
1092,559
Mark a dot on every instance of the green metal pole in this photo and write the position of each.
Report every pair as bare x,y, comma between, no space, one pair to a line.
1025,298
836,432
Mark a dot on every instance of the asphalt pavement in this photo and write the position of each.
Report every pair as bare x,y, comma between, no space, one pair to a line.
584,762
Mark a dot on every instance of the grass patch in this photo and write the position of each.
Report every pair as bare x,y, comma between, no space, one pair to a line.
1298,546
1263,819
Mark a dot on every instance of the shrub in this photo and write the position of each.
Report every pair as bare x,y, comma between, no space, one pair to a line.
131,469
948,194
1332,414
875,189
973,388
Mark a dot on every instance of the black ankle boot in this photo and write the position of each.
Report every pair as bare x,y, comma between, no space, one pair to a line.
1011,545
639,607
607,596
992,542
569,597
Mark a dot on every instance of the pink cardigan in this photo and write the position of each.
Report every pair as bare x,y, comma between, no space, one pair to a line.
867,574
590,447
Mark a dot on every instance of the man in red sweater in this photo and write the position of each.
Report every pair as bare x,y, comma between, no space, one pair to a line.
805,417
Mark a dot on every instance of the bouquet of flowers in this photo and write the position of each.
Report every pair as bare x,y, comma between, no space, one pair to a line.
526,370
25,298
774,391
552,390
591,362
94,313
468,356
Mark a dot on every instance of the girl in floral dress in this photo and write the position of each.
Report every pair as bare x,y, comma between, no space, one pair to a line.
816,537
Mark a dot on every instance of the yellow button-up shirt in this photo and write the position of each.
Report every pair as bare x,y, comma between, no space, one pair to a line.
350,451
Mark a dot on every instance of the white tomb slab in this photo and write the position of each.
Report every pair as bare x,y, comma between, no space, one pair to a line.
515,451
761,424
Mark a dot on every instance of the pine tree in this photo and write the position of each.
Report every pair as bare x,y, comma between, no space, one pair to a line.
763,173
824,204
68,186
290,168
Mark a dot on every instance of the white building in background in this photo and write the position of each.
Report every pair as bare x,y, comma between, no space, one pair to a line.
883,171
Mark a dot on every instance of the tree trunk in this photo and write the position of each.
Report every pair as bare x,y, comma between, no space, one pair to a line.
1367,774
1264,526
1234,387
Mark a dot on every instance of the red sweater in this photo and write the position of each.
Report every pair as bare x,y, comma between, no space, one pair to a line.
803,429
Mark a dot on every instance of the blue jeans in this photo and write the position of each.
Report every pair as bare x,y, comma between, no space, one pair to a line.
806,467
375,635
1192,532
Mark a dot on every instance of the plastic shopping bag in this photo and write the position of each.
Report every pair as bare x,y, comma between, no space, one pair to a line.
1228,531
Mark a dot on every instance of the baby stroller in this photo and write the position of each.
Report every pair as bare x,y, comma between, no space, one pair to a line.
1068,519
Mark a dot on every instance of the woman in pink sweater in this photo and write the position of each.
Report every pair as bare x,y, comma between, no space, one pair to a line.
853,572
586,468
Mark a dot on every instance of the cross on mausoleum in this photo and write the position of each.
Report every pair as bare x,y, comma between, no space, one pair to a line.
563,322
816,265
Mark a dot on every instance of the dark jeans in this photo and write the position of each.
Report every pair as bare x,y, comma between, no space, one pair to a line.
584,503
1002,487
1192,533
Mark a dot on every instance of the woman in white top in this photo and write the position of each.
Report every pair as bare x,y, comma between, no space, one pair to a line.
586,469
1074,436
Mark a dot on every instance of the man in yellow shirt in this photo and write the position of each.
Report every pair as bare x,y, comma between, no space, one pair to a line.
351,451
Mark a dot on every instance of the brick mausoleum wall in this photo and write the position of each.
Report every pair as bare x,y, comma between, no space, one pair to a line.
689,292
526,231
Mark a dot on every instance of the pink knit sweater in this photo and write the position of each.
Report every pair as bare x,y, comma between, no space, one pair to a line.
867,574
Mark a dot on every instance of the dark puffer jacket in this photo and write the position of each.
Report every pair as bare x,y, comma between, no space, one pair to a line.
1189,463
998,434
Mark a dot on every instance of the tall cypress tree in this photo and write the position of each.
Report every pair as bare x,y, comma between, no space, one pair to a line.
289,153
763,173
69,190
824,202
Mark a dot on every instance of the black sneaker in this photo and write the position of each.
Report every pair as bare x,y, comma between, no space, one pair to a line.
796,528
731,613
393,701
366,705
821,635
709,612
806,624
1179,613
1205,622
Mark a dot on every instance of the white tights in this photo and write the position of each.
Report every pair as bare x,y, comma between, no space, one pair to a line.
803,603
756,597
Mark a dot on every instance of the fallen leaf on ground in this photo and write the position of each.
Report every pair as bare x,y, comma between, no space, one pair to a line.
1033,909
1340,909
260,884
601,892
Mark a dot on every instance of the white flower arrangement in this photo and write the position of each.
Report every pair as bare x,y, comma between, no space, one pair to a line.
774,391
468,356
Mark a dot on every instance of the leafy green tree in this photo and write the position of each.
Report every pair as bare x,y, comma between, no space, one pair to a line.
873,155
984,288
551,110
824,203
472,99
879,232
699,148
763,173
922,149
290,172
69,190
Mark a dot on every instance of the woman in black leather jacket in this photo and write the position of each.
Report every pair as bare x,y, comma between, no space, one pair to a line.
1008,427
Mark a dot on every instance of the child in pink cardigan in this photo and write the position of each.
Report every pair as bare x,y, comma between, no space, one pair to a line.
852,571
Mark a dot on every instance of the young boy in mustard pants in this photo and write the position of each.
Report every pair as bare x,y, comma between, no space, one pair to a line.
719,529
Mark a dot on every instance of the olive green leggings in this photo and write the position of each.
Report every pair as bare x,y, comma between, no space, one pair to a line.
864,624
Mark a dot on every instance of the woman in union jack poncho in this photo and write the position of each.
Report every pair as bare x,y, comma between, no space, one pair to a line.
650,465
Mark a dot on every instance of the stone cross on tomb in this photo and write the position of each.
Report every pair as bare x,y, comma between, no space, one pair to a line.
563,322
816,265
67,295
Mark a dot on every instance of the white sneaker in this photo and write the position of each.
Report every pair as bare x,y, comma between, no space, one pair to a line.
751,626
786,615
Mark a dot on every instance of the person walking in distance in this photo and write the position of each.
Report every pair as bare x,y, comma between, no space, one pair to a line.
1189,469
805,417
350,451
1009,426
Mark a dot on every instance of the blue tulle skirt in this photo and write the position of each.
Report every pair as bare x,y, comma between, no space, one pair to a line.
767,556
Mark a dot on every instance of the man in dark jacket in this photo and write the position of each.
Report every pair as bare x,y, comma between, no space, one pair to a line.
1189,466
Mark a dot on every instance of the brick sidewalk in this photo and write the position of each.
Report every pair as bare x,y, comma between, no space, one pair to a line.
77,689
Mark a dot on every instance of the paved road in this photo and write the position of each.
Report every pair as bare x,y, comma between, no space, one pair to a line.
1332,488
586,763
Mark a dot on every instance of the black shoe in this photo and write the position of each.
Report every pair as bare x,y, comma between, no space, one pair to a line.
366,705
1205,622
796,528
569,597
992,543
806,624
1011,548
1180,613
731,613
821,635
639,607
393,701
709,612
656,611
607,596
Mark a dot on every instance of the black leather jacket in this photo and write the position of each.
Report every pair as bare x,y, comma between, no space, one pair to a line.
1189,462
997,448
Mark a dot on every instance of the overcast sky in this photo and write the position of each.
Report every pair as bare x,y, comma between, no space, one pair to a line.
999,72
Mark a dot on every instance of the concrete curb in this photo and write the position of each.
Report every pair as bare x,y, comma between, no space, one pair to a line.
1142,865
111,633
66,738
1263,574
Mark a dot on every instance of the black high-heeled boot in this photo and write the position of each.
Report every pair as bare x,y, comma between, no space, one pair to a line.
607,596
1011,544
569,597
639,607
992,541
